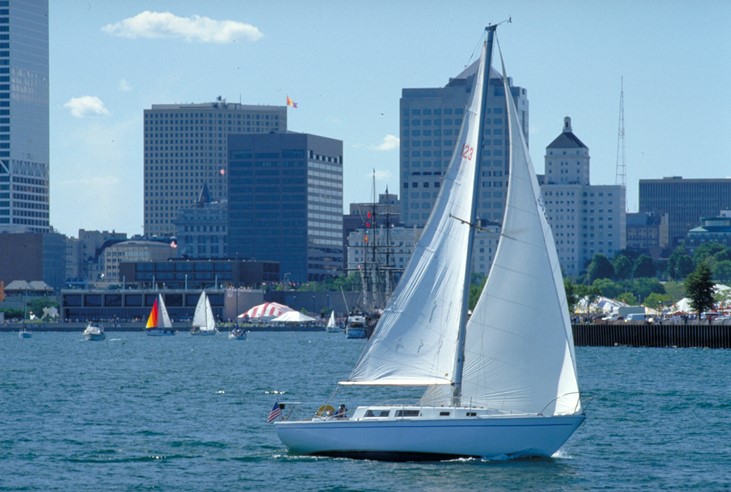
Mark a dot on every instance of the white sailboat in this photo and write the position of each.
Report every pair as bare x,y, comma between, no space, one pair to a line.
158,323
501,384
332,326
204,322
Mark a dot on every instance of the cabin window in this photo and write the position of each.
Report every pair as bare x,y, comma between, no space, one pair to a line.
407,413
472,414
376,413
445,414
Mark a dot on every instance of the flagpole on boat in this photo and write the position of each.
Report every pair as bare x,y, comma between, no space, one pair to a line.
462,332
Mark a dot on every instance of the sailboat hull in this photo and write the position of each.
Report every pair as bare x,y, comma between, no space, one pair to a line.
160,332
416,439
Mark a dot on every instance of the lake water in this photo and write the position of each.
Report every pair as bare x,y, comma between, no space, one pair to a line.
189,413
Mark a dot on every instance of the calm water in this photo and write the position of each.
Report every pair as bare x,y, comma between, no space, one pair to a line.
188,413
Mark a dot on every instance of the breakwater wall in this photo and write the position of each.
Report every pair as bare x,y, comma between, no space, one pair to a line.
587,335
652,335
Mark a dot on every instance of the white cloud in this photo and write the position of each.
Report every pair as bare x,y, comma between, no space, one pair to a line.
150,25
390,142
83,106
124,86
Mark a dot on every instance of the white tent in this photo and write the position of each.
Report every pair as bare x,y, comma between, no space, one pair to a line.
292,317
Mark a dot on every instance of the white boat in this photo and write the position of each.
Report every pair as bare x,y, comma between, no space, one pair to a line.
94,333
204,322
237,333
356,326
25,333
158,323
501,384
332,326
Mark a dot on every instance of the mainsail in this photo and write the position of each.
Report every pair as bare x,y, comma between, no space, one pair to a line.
415,342
519,354
203,316
159,317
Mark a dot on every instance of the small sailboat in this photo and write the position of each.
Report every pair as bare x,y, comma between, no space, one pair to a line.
158,323
25,333
332,326
94,333
501,383
204,322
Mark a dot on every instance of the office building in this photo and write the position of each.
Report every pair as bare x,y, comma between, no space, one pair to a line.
285,203
201,230
686,201
24,124
31,256
199,274
430,124
648,233
585,219
185,148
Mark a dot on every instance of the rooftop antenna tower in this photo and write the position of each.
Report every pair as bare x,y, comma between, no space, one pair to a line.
621,175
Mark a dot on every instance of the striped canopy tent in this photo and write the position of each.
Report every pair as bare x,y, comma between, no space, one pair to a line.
267,310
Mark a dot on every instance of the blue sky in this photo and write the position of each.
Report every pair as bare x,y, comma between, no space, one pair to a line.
345,64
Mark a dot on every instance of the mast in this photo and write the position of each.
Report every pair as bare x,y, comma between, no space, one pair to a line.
462,332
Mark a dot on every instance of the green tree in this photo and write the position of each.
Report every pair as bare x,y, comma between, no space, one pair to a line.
643,287
657,301
722,271
627,298
643,267
600,267
700,288
710,253
622,266
679,264
571,297
608,288
477,283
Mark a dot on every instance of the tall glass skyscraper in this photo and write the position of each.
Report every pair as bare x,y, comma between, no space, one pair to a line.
430,123
185,149
285,202
24,124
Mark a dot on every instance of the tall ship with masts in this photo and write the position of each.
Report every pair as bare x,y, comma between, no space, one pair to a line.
377,256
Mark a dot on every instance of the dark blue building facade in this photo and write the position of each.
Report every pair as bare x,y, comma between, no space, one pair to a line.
286,202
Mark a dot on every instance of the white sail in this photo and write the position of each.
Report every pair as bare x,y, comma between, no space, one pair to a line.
331,321
415,340
163,320
519,353
203,317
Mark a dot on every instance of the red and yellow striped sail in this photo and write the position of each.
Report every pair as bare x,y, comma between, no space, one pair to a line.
152,319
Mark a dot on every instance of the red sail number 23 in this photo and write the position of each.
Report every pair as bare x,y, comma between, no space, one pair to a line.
467,152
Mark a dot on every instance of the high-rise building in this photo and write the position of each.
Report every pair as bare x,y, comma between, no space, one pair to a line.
686,201
285,202
585,219
430,124
24,124
185,149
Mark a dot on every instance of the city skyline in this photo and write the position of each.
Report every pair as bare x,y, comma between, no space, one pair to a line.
346,68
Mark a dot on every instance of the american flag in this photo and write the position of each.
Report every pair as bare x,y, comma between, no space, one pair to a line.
274,414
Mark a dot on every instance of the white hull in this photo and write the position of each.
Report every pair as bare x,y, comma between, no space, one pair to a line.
430,438
355,332
203,332
24,334
160,332
94,334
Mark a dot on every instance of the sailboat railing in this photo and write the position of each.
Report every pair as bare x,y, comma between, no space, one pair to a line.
555,400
